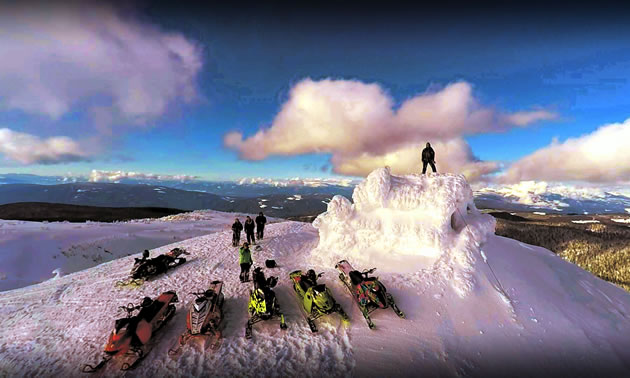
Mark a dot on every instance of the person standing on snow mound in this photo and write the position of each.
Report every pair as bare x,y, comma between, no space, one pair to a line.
260,225
428,157
245,260
237,227
249,230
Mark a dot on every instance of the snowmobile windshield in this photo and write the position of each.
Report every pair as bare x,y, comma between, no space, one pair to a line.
319,288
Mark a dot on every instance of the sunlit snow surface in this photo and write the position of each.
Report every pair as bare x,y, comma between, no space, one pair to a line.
542,317
30,251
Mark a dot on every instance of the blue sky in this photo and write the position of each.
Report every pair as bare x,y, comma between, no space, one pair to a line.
575,67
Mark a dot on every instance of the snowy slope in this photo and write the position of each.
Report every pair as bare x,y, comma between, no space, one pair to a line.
554,319
30,251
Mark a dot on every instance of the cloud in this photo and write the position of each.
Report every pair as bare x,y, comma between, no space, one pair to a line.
294,182
454,156
29,149
353,120
601,156
56,56
115,176
89,59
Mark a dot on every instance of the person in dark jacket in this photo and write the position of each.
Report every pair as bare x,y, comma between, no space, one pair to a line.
245,260
249,230
260,225
237,227
428,157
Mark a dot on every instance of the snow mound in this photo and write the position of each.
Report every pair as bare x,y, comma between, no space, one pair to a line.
406,224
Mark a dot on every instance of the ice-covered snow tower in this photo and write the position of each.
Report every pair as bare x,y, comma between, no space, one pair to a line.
406,224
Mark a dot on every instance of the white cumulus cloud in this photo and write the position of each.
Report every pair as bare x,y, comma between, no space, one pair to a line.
90,58
358,124
601,156
30,149
54,57
115,176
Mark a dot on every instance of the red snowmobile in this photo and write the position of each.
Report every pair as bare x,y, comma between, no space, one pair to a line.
204,317
131,339
369,293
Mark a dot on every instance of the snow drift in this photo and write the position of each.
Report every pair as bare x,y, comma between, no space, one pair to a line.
405,224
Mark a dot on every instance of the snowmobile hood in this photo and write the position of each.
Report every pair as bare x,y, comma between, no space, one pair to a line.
322,298
200,304
197,315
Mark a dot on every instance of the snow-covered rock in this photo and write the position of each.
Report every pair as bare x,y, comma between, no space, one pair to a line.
405,224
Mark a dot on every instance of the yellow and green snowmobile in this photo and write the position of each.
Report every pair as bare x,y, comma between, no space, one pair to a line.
263,304
316,299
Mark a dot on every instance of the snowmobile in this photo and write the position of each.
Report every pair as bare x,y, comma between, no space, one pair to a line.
146,267
132,337
369,293
316,299
204,317
263,304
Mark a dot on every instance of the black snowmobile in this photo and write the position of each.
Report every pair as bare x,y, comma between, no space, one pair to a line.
263,304
146,267
369,293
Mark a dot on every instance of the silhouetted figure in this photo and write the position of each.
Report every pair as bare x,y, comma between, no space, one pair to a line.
249,230
428,157
260,225
245,260
237,227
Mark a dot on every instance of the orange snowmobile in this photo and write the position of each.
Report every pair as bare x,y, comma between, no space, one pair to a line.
131,339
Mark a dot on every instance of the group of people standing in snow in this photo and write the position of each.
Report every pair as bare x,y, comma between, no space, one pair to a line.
245,255
237,227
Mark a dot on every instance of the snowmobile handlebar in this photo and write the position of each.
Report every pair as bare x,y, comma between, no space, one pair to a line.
369,271
129,308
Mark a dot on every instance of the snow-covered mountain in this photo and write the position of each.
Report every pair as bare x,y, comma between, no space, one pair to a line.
523,196
558,199
476,304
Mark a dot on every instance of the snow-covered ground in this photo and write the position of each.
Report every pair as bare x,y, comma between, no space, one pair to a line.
621,220
30,251
586,221
526,312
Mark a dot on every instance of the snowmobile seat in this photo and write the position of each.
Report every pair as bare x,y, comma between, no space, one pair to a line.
356,277
319,288
149,312
305,283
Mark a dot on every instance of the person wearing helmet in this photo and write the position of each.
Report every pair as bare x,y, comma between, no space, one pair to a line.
245,260
428,157
145,257
261,220
237,227
310,279
146,302
249,230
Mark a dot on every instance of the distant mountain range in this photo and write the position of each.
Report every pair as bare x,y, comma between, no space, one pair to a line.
284,199
137,195
555,203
